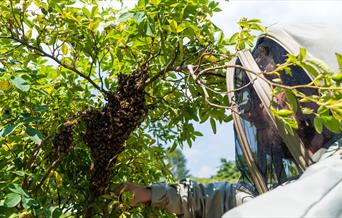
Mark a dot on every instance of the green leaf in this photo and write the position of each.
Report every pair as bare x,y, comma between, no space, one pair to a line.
258,27
28,202
173,25
64,49
319,64
318,124
232,39
220,38
173,147
34,134
57,212
284,112
228,118
288,71
332,124
12,199
289,128
94,11
213,4
16,188
8,129
125,16
139,16
276,80
254,21
188,140
149,31
313,71
155,2
291,100
339,60
58,179
337,77
86,11
181,28
204,117
322,110
306,110
20,83
28,33
213,125
4,85
302,54
197,133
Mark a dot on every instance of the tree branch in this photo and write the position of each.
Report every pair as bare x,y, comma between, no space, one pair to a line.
159,74
47,172
213,74
168,68
6,37
204,88
43,53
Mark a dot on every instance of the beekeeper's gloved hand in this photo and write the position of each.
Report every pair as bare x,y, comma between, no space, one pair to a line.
141,194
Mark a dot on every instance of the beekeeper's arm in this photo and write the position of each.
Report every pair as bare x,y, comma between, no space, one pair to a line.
190,199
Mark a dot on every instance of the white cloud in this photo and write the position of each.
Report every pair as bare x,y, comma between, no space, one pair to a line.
193,156
204,156
205,171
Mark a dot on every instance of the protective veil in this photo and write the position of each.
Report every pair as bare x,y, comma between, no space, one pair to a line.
267,153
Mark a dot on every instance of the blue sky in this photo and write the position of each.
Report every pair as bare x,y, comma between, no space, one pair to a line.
204,156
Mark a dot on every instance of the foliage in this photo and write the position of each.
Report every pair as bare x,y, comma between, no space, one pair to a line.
61,62
328,86
87,90
177,162
227,172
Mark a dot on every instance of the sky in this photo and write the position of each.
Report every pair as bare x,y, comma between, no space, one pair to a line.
204,157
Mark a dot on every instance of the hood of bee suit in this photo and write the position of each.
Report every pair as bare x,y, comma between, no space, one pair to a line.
321,41
266,153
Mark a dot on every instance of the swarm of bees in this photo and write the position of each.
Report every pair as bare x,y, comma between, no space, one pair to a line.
107,128
63,140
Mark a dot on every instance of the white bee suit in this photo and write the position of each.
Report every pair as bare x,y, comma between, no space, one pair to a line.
317,193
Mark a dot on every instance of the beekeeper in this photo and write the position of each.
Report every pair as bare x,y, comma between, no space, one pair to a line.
284,174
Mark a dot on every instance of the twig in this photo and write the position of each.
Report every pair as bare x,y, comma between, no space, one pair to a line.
213,74
151,58
200,62
99,73
43,53
166,69
159,74
15,19
33,157
242,87
91,67
5,37
205,71
47,173
99,67
204,89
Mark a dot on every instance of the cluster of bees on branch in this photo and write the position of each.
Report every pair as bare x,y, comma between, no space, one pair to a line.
107,128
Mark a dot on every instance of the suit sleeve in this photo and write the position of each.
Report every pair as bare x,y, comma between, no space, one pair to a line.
190,199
